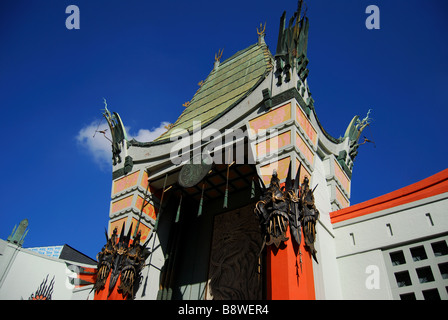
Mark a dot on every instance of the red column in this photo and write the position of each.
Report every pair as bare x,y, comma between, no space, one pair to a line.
104,293
285,279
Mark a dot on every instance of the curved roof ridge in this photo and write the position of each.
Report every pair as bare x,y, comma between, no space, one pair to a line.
238,75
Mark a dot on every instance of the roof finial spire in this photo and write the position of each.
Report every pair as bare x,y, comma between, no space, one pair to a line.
299,9
218,56
18,234
261,33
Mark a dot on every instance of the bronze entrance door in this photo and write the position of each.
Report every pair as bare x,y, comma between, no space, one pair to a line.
235,268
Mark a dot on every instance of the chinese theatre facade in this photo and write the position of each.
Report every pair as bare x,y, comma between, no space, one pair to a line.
233,201
246,197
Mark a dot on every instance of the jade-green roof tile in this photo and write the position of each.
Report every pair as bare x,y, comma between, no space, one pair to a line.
224,87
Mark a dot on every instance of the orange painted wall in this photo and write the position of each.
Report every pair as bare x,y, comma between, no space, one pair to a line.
118,224
285,279
341,176
272,118
148,209
125,182
104,293
304,149
142,228
281,166
303,171
341,198
121,204
305,124
274,144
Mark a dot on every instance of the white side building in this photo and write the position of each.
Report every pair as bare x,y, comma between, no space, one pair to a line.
395,246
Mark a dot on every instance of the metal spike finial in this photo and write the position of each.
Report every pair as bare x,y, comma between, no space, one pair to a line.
262,29
218,55
261,33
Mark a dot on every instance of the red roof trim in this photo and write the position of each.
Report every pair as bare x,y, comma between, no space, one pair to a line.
425,188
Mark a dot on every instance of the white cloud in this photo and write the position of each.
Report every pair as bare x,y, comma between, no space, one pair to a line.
145,135
96,144
99,147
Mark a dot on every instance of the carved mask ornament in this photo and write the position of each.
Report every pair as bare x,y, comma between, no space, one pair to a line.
119,259
289,206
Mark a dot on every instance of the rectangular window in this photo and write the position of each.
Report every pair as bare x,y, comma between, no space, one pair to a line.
440,248
425,274
408,296
397,258
443,267
418,253
403,279
418,270
431,294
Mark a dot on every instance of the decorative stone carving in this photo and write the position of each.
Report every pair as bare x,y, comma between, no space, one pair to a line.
234,258
120,260
289,206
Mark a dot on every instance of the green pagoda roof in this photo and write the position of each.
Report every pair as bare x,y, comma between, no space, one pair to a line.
227,84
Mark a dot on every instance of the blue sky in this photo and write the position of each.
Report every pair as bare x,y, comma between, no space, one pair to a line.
146,59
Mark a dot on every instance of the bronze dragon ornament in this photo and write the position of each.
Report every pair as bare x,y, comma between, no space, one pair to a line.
289,206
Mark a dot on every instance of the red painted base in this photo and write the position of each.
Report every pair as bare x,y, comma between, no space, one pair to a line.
286,280
114,295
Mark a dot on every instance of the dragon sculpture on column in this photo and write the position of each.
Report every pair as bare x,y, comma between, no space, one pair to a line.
120,260
291,205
